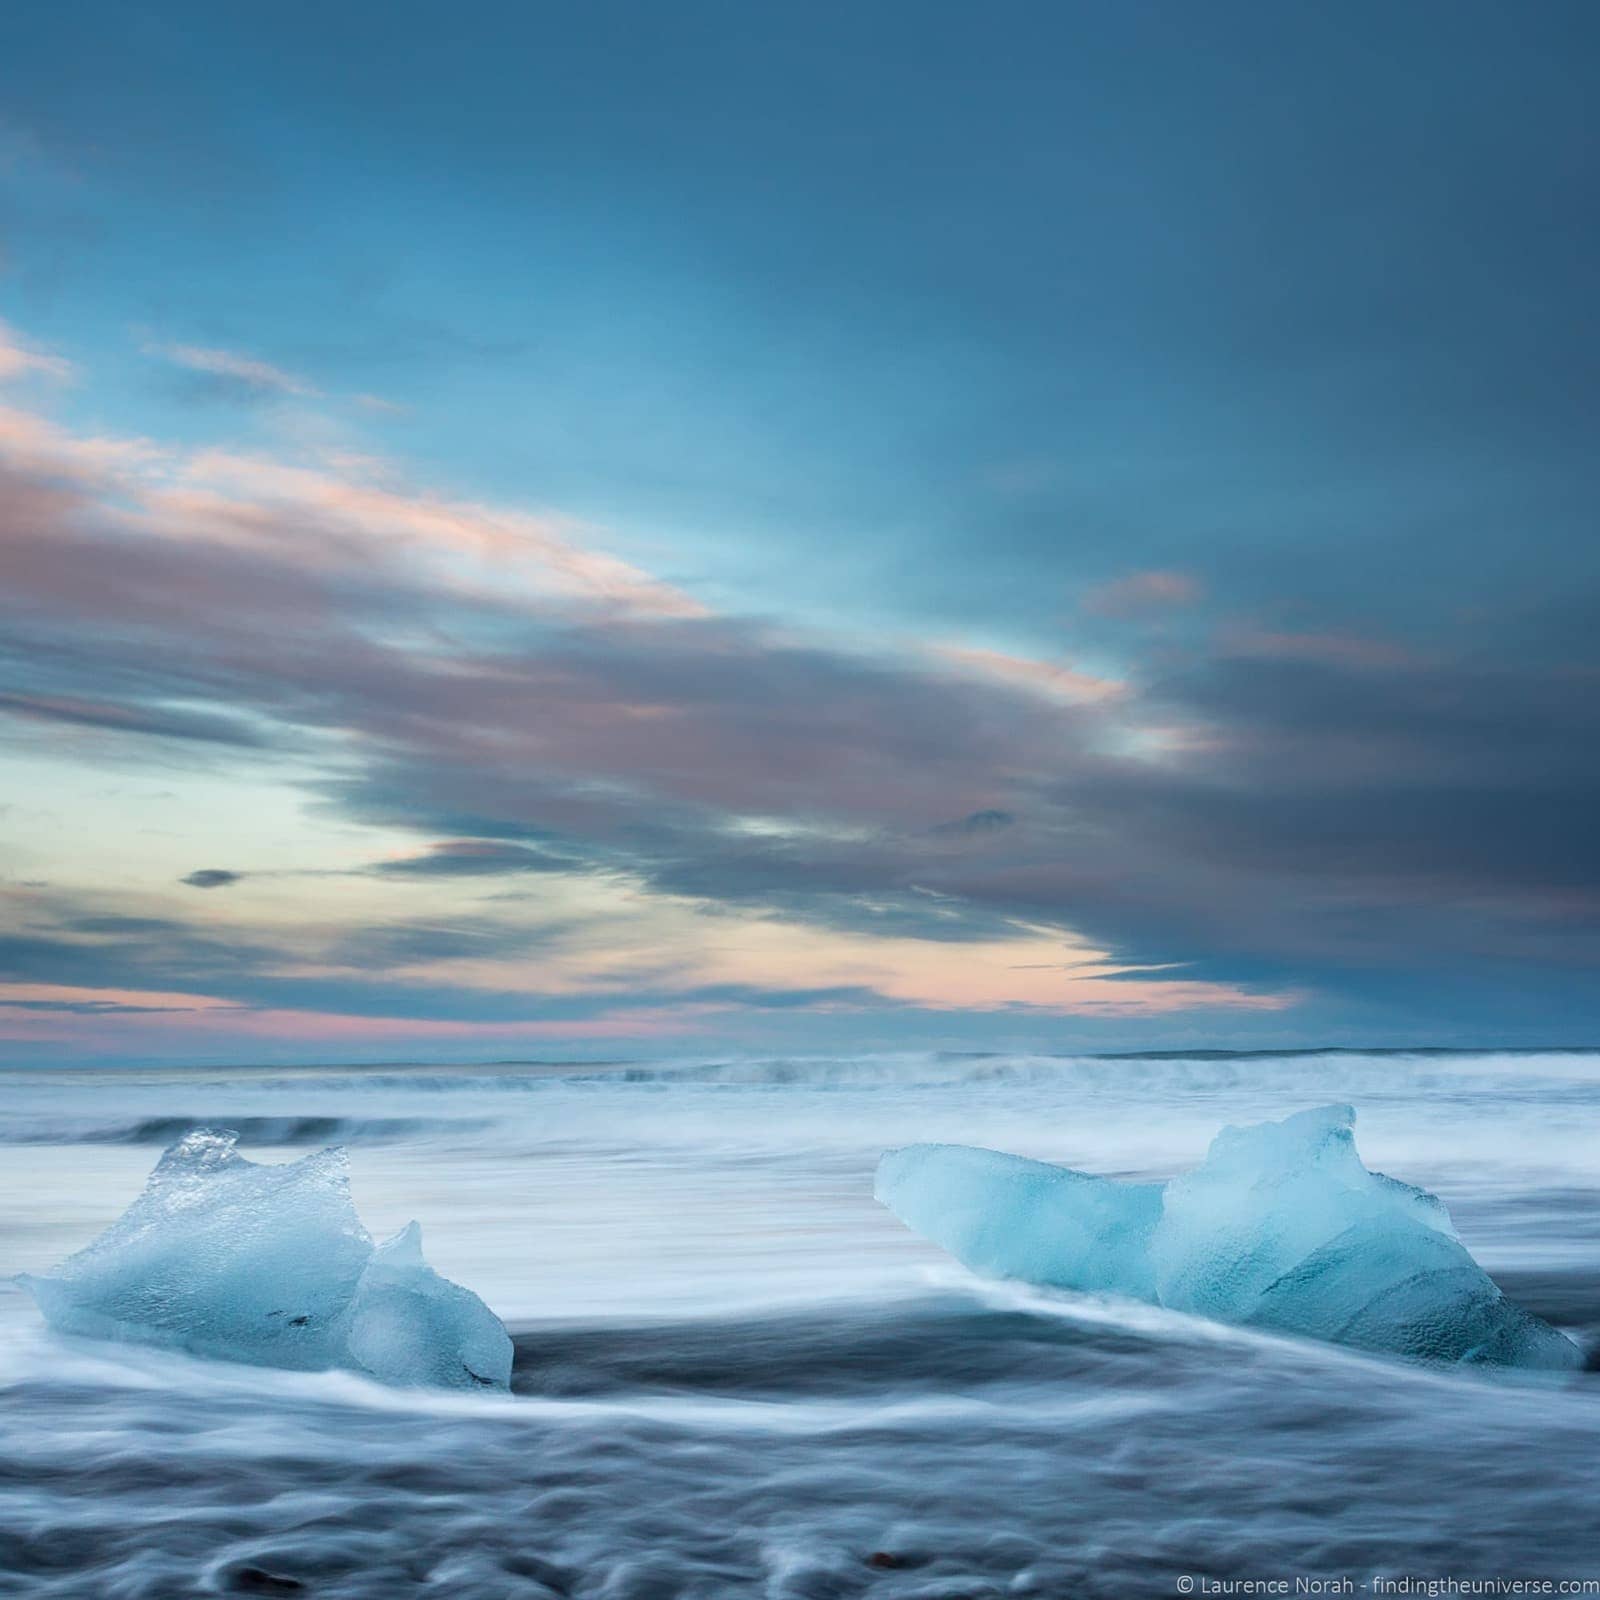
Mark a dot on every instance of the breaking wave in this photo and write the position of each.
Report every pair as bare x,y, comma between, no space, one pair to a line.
1207,1069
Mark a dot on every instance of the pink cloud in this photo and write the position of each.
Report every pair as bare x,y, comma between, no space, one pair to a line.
1048,678
19,360
224,494
31,444
377,404
246,370
1141,592
330,516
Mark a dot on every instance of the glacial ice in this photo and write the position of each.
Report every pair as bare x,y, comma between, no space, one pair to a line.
1012,1218
1280,1227
222,1257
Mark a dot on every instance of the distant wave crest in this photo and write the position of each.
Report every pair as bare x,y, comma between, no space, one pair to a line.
1204,1069
280,1130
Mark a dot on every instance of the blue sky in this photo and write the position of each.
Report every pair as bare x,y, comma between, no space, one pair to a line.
637,528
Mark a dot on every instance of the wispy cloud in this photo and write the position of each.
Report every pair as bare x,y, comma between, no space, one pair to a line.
1053,679
1141,592
320,517
474,858
377,404
243,372
21,360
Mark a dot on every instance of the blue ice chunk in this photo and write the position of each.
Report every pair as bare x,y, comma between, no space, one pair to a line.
1009,1217
1280,1227
409,1325
222,1257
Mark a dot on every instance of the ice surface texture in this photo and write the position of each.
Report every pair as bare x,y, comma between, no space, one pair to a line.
270,1265
1280,1227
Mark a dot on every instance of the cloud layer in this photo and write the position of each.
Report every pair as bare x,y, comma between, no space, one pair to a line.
632,816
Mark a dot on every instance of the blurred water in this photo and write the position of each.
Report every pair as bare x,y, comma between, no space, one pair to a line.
737,1375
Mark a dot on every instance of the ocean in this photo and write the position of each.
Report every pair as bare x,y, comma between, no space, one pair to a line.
737,1375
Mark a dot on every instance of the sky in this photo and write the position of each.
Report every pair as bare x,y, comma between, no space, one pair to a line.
536,531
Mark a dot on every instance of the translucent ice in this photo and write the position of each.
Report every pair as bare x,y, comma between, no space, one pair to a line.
409,1325
1013,1218
271,1265
1281,1227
